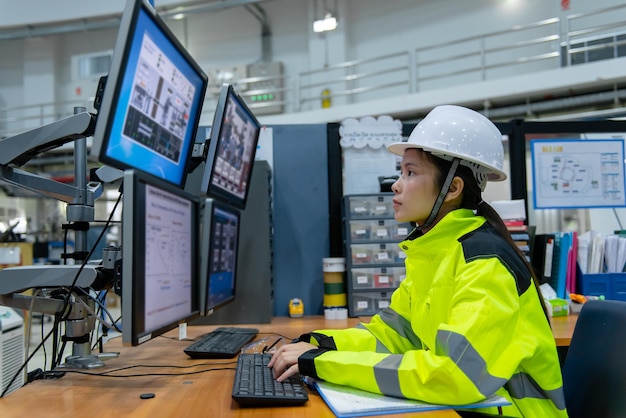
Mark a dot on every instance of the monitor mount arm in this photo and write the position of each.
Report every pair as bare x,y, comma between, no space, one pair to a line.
79,322
18,150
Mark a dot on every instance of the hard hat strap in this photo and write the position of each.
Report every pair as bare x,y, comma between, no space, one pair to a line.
442,194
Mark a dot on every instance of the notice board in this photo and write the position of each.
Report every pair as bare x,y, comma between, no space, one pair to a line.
578,173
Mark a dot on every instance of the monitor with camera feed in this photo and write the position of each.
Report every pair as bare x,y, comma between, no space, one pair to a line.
219,245
159,265
152,99
231,150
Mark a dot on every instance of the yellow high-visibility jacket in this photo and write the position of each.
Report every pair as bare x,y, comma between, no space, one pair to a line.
466,322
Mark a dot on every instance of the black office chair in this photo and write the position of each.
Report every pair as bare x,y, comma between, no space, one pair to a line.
594,373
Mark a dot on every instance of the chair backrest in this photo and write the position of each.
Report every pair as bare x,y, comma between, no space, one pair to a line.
594,373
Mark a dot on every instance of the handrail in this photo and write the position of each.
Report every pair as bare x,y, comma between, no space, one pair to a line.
353,63
546,44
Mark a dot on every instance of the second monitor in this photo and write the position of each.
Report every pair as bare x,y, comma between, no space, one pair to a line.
219,247
232,147
159,268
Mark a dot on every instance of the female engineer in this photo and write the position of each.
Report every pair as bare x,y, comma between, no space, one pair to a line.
468,320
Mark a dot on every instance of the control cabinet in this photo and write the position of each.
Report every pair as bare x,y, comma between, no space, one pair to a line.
374,261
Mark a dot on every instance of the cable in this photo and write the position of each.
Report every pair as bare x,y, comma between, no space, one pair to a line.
65,311
95,314
119,369
618,220
57,354
45,352
280,335
200,336
65,245
149,374
93,248
29,323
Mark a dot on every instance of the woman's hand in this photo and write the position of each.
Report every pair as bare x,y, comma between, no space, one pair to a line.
284,360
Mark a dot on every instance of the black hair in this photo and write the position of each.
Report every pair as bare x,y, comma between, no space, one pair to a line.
472,199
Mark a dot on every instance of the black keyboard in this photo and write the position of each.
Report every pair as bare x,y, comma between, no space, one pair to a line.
255,386
223,342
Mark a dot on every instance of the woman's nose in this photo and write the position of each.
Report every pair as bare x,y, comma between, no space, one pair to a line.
394,187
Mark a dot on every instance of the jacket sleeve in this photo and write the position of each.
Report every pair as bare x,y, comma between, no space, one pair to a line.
470,356
387,332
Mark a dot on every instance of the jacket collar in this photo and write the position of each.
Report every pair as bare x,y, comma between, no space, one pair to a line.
454,225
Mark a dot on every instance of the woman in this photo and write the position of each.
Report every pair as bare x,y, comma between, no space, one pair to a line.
468,321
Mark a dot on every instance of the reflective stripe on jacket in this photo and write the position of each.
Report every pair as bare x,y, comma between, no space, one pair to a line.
466,322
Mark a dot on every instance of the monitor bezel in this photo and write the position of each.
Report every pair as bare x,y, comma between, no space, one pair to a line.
227,93
134,330
113,89
206,250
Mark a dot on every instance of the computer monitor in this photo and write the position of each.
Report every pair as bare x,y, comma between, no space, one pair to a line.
159,266
152,99
219,245
232,148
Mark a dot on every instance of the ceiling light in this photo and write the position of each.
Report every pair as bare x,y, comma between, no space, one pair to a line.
324,25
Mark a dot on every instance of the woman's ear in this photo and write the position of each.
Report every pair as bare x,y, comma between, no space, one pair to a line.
456,189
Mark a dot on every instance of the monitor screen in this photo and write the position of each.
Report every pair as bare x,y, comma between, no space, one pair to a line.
218,254
152,99
159,266
232,147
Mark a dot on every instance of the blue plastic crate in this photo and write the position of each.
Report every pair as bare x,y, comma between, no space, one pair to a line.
610,285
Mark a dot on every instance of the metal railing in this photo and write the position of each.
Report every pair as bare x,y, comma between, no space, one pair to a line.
543,45
488,56
348,81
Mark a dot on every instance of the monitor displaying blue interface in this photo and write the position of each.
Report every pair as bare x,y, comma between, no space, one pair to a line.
152,99
218,255
232,147
159,265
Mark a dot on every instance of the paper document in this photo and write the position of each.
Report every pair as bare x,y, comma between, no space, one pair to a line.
346,401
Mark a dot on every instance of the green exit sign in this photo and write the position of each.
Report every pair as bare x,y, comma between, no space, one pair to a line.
262,97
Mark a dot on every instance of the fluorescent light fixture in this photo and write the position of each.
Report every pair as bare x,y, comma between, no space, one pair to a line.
324,25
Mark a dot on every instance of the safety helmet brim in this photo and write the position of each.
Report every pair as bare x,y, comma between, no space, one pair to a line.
493,173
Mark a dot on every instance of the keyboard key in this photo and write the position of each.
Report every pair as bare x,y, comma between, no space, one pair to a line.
223,342
255,386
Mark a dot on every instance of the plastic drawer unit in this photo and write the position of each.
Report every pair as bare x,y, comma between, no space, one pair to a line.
374,261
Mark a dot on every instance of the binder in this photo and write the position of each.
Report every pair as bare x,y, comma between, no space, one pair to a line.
346,402
570,282
556,261
541,257
564,251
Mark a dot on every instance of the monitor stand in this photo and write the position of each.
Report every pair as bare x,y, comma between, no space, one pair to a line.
59,290
78,325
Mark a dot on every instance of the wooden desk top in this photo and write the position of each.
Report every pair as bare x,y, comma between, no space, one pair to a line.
199,393
563,328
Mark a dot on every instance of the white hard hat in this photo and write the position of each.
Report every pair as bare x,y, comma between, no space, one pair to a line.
453,131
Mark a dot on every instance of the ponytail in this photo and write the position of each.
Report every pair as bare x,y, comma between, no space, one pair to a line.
472,199
489,213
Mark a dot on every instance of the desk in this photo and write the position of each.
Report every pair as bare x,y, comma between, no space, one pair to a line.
563,328
205,394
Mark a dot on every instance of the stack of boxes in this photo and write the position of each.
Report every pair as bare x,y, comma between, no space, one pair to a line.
375,263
